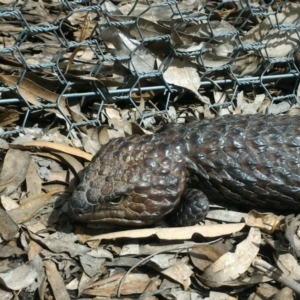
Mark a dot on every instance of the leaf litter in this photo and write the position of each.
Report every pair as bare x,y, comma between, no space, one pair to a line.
44,254
79,263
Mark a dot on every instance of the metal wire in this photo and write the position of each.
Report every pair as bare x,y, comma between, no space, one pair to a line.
106,22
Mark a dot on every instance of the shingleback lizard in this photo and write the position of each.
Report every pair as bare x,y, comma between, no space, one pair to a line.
251,160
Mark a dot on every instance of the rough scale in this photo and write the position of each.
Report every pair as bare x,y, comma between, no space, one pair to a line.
251,160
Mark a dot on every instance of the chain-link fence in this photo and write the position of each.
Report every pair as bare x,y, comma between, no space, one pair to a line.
74,59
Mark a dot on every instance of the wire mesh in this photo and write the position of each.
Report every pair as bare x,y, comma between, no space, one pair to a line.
96,53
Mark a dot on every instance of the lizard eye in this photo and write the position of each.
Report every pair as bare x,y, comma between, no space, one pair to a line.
117,200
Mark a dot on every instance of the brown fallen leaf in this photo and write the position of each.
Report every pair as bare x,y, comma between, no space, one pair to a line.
267,222
253,107
232,265
159,261
285,293
59,242
56,281
227,216
20,277
85,280
34,249
184,73
58,147
220,296
8,228
277,43
33,180
85,31
109,287
33,205
71,161
30,91
288,264
181,273
9,178
203,256
8,116
64,158
58,176
129,128
176,233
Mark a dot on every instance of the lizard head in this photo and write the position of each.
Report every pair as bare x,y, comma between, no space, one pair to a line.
134,181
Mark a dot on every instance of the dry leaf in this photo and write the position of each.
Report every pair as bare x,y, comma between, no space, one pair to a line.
181,273
8,116
109,286
278,43
20,277
33,205
58,147
105,64
56,281
30,91
232,265
287,263
8,228
199,255
33,180
184,74
9,178
180,233
268,222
